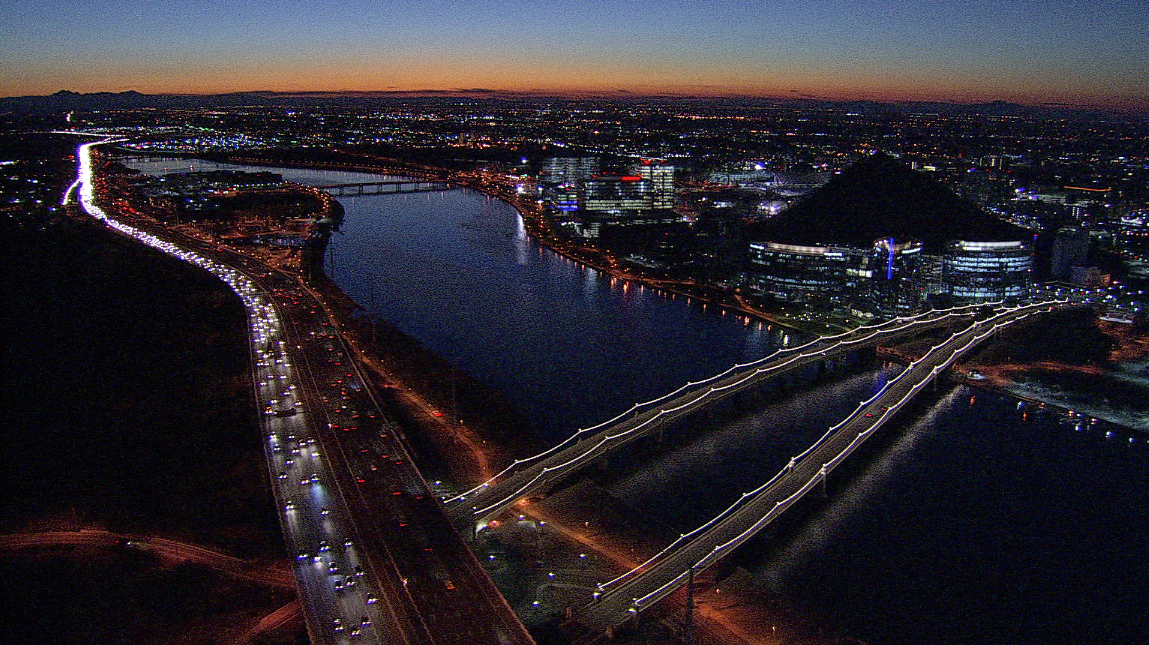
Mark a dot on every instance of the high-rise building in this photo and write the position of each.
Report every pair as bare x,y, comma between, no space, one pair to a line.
561,180
649,188
617,194
568,171
576,185
659,178
1070,249
987,271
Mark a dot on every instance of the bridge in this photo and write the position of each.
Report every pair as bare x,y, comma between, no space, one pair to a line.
535,475
410,613
386,187
621,599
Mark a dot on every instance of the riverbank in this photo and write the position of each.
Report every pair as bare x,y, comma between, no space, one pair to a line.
1071,361
844,583
428,398
465,431
1072,391
536,221
581,518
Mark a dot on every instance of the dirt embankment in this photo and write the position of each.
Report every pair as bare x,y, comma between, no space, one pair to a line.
1071,359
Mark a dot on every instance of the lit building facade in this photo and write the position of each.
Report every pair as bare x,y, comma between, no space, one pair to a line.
572,171
561,180
577,185
593,199
617,195
801,273
987,271
881,279
898,282
659,179
650,187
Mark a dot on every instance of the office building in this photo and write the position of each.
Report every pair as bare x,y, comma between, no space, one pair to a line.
987,271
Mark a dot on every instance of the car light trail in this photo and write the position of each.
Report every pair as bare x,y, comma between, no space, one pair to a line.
305,509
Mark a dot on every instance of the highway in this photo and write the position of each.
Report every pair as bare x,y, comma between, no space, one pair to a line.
535,475
622,598
376,558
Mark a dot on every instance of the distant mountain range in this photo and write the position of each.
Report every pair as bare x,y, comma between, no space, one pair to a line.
64,101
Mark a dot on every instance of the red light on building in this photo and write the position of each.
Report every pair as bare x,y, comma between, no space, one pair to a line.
631,178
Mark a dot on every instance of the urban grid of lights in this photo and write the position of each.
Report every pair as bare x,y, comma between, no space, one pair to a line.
266,330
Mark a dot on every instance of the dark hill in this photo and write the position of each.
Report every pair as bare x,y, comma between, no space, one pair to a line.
881,197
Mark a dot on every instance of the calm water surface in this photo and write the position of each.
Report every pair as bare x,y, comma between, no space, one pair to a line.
981,524
569,347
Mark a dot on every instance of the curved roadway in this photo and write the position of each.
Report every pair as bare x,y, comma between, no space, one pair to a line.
377,559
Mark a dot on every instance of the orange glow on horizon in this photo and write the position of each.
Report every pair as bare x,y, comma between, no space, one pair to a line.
589,83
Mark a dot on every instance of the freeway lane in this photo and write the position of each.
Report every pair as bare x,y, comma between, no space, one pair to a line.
622,598
370,567
434,570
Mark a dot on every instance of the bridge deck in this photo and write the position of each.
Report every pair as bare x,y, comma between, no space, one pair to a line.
535,475
623,597
386,187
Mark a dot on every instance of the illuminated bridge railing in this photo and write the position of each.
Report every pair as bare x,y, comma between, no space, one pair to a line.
619,430
386,187
727,530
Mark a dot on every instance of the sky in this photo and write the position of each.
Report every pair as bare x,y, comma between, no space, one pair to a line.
1079,52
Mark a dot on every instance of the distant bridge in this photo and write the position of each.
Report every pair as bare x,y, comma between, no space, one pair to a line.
386,187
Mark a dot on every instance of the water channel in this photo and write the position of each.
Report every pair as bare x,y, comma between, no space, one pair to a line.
983,522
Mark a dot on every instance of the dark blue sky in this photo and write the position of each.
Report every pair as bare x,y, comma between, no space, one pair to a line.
1060,51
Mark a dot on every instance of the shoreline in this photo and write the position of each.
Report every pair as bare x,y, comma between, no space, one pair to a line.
443,427
468,450
534,222
1030,395
474,453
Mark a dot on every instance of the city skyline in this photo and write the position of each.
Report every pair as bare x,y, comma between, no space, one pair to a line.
1066,52
487,366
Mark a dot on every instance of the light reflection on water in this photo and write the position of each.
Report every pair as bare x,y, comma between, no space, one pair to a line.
983,523
741,455
567,346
